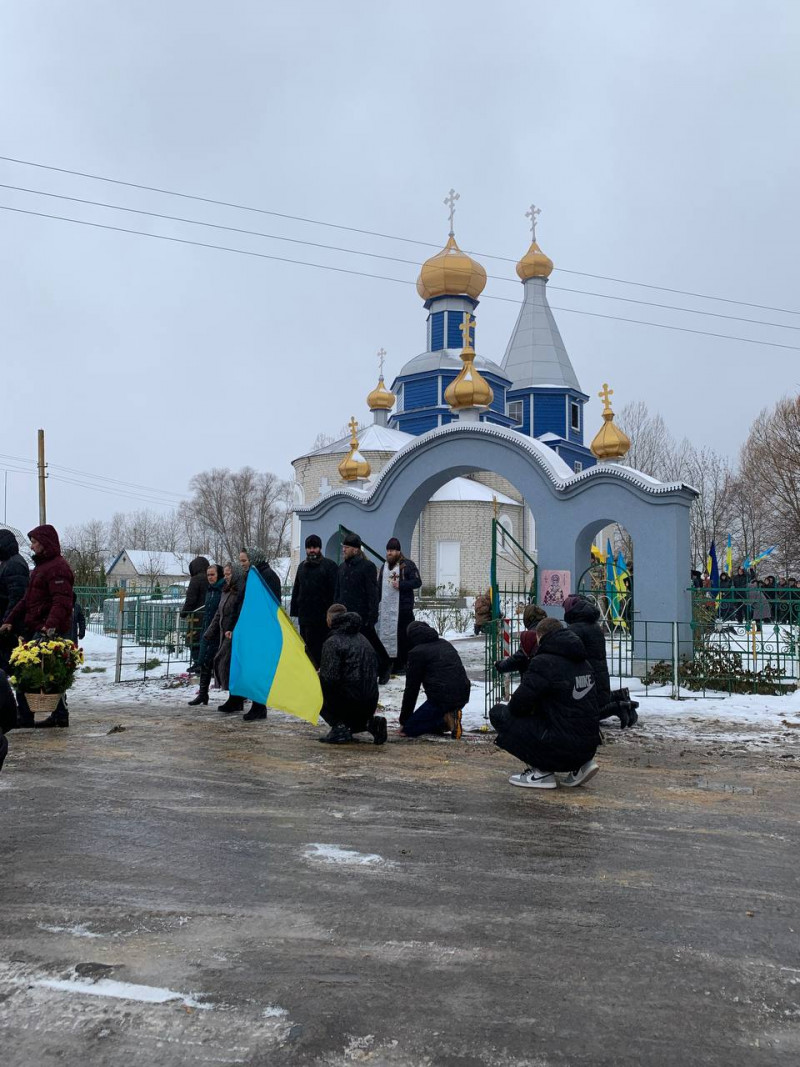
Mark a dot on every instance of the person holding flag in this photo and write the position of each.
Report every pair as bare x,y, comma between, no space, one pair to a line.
269,664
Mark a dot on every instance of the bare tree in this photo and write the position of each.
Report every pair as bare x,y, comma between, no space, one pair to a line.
770,466
238,508
85,548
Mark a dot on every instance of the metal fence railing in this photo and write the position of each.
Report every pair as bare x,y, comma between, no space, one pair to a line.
151,635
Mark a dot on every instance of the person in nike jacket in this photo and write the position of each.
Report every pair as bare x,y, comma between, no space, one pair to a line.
551,720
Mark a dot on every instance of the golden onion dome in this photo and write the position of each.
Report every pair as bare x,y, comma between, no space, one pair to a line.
534,264
354,466
610,442
380,399
470,389
451,272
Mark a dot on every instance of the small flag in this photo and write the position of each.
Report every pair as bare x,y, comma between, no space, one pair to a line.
598,554
762,556
612,590
713,570
268,659
729,558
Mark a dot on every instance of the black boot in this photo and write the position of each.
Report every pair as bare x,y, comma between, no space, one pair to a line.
202,692
232,704
257,711
60,717
377,727
337,735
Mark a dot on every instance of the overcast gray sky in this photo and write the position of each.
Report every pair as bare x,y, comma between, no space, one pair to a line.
659,139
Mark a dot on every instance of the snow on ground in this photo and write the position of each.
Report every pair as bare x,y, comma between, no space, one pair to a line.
719,716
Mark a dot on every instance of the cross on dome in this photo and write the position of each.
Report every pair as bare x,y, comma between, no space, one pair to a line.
605,395
465,328
353,428
533,214
381,359
450,202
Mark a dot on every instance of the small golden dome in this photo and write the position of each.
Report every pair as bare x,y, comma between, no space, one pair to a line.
610,442
451,272
470,389
380,399
354,466
534,264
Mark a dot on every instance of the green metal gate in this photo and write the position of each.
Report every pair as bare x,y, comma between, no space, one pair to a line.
514,583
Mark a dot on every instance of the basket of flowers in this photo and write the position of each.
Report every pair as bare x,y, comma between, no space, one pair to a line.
44,669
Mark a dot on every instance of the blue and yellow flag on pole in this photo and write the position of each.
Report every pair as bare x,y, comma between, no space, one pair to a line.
268,658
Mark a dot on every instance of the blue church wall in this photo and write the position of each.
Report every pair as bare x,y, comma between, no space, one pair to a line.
572,455
549,414
437,331
422,393
455,338
418,424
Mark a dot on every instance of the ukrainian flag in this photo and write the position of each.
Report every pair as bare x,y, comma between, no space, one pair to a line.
268,658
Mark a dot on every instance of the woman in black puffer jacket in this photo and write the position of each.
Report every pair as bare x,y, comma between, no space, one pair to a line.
583,618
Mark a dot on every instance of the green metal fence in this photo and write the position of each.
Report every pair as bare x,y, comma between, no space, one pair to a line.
514,578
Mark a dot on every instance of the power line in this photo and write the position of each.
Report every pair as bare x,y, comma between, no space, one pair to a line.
149,489
372,255
378,277
371,233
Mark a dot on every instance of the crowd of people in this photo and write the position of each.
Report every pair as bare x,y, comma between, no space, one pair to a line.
358,627
745,599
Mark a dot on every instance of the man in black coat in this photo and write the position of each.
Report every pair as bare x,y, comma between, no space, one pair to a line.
434,665
398,577
550,722
348,675
312,595
14,578
357,589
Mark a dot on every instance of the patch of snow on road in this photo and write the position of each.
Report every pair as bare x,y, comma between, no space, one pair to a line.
78,930
342,856
272,1011
108,987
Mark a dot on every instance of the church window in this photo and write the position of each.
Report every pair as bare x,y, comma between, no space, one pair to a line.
455,338
575,415
437,331
577,466
515,412
505,528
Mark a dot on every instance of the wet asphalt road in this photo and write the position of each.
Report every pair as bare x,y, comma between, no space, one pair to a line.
650,918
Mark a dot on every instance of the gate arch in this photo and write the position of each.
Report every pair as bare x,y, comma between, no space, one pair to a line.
568,507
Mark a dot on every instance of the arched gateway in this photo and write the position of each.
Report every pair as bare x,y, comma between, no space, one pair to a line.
568,508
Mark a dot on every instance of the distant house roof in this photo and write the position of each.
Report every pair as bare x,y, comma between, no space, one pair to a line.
466,489
170,564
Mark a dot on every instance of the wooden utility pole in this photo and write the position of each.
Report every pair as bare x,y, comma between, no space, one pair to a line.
42,475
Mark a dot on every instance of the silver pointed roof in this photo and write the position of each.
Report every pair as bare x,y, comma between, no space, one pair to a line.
536,354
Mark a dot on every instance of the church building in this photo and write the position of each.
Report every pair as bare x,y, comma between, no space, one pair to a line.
532,389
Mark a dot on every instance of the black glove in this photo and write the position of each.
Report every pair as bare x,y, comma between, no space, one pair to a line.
626,710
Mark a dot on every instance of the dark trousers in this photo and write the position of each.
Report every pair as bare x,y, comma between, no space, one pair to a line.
354,714
314,633
427,719
517,736
405,618
384,660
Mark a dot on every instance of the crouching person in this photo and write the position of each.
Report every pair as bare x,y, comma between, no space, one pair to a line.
528,641
434,665
550,723
348,674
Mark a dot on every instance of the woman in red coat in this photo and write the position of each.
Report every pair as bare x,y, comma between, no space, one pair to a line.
46,608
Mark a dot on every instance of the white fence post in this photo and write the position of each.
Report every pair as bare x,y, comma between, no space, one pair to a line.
675,675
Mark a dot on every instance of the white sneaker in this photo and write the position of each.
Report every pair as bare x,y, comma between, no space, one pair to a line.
582,775
532,778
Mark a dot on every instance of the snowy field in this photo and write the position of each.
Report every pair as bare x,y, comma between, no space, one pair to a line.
739,718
